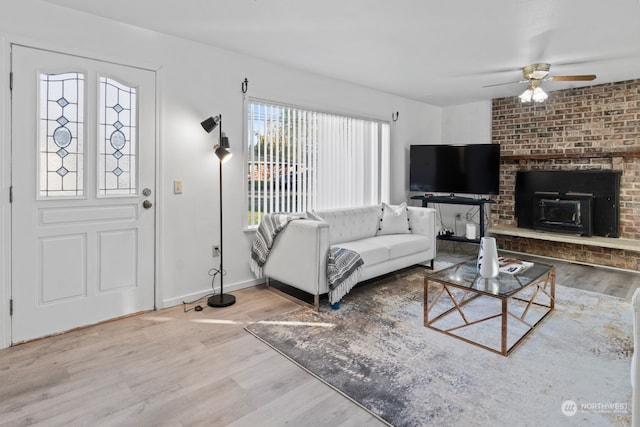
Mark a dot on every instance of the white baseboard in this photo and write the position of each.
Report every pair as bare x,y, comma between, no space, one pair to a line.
170,302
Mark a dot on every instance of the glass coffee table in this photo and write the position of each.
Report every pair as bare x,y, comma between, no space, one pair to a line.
495,314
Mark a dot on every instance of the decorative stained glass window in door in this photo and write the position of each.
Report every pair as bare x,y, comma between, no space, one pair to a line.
117,113
61,137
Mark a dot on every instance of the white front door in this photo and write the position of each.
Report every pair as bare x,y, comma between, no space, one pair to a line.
83,174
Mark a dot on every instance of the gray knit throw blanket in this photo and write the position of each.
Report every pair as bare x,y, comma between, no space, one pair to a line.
343,272
270,225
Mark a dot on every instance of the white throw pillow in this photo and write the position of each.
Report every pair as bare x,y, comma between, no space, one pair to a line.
394,221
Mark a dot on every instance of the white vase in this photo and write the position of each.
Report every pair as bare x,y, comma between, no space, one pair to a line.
488,258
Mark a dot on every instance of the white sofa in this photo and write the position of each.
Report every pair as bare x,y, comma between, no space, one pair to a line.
298,256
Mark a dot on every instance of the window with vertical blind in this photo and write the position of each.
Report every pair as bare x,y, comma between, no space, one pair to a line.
303,160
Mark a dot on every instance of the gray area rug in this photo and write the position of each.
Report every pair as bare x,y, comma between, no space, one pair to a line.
376,351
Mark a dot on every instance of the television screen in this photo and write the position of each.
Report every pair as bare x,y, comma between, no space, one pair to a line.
471,169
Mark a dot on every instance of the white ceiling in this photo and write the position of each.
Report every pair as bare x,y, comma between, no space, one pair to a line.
440,52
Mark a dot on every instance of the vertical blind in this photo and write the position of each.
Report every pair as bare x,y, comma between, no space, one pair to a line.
301,160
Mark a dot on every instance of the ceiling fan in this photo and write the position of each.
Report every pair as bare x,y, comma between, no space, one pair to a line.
535,74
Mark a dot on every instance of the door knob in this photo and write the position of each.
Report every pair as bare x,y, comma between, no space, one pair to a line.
147,204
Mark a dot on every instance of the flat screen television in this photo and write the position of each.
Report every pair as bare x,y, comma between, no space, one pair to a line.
471,169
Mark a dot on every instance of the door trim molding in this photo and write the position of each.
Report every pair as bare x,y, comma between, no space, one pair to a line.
159,189
5,182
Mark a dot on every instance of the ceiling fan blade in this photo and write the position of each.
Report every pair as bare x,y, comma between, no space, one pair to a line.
584,77
508,83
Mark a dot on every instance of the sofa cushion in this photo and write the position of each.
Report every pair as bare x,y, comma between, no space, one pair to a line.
346,225
369,250
394,220
399,245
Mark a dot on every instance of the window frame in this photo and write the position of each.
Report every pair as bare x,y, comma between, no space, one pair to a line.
383,151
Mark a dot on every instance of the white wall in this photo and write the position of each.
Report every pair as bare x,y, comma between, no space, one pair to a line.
467,123
424,129
195,81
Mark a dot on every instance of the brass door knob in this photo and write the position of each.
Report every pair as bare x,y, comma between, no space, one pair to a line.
147,204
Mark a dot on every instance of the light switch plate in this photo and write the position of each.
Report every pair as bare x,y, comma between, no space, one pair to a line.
177,186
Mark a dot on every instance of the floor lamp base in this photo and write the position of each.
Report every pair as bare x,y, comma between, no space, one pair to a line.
221,300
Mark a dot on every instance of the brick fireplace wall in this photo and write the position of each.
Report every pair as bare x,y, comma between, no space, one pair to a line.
595,127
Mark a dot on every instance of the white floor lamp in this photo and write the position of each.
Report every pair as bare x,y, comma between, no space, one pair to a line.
223,153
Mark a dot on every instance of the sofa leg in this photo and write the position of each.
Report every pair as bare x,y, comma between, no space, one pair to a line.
429,265
316,298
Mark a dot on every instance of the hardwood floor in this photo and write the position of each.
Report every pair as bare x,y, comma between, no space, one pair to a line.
170,368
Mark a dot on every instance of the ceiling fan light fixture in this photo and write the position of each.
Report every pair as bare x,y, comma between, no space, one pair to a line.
526,96
539,95
534,93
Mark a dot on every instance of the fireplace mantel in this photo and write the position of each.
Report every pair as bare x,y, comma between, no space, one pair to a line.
571,155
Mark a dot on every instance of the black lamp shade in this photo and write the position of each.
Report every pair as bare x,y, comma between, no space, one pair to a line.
210,123
225,141
223,153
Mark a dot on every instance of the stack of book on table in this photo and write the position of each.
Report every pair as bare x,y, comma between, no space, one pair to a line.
512,265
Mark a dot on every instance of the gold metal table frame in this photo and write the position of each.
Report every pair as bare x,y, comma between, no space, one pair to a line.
542,278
